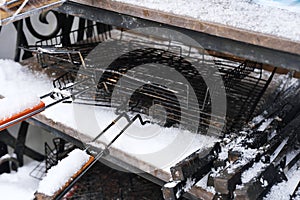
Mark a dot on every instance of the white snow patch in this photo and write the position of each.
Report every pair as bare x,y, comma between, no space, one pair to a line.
189,184
20,88
171,184
146,143
2,2
17,104
256,120
284,189
242,14
19,185
265,124
59,175
291,5
6,156
252,172
203,184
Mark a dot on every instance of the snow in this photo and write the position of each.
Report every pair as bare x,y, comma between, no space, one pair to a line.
284,189
171,184
19,185
20,103
242,14
189,184
265,124
146,143
20,88
291,5
59,175
203,184
253,171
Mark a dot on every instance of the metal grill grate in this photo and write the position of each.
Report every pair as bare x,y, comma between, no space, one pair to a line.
52,156
102,182
243,82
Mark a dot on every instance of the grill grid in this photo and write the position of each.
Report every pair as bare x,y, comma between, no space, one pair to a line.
243,82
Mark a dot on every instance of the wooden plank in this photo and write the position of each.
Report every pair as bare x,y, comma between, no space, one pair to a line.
220,30
226,45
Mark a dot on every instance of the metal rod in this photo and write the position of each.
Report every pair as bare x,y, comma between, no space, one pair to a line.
99,155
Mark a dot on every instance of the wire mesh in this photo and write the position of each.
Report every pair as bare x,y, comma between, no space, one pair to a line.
243,82
114,184
52,156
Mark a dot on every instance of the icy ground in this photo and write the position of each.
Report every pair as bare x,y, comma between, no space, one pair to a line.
260,17
19,185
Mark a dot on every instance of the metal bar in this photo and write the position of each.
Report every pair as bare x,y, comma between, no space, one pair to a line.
110,125
4,167
261,93
293,196
33,113
189,171
20,144
9,140
98,156
20,37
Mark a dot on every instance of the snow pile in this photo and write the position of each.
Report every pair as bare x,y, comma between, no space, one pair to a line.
253,171
59,175
11,106
20,88
19,185
146,143
243,14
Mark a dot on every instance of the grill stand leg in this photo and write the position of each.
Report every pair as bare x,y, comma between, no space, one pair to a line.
20,148
4,168
20,144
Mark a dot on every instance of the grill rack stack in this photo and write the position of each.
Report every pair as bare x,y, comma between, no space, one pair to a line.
244,82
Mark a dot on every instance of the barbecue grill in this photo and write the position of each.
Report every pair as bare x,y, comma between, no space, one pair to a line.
259,129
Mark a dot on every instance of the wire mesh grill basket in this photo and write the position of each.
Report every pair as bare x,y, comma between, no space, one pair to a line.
243,82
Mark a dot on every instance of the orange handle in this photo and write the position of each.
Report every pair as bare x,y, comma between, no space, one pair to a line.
20,114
